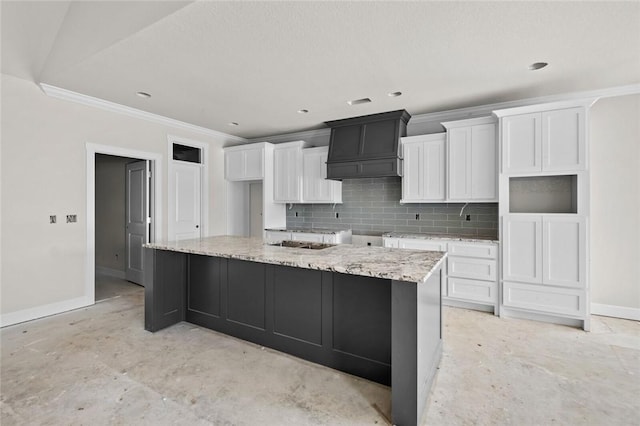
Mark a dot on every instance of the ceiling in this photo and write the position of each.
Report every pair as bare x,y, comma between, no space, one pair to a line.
210,63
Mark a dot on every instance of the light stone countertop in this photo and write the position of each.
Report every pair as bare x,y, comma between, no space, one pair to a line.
309,230
377,262
447,237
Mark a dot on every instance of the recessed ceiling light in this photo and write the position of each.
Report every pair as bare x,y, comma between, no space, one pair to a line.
303,111
394,94
233,123
359,101
144,95
537,65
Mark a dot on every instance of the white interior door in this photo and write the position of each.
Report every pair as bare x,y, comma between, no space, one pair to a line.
137,219
187,195
255,208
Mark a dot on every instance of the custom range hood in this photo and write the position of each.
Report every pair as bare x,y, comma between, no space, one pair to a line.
366,146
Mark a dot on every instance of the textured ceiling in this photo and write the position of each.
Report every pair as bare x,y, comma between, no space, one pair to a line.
258,63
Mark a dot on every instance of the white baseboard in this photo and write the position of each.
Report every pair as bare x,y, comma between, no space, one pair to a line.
43,311
103,270
615,311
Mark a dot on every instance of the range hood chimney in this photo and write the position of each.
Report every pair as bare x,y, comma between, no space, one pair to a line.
366,146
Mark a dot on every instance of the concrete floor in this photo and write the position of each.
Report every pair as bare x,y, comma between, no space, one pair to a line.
98,366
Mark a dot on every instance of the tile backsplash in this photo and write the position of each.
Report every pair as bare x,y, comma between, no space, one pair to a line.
372,206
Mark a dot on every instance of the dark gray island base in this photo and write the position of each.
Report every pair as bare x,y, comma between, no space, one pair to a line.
384,330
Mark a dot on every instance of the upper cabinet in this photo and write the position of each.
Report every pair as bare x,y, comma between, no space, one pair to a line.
472,151
287,172
244,162
546,141
423,178
316,188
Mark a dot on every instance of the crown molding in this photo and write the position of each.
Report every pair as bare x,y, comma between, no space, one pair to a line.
486,110
296,136
68,95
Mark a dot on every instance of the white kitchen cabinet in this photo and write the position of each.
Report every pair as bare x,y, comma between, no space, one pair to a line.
472,272
522,242
287,172
545,141
316,188
545,263
423,178
564,259
547,249
469,276
245,162
472,152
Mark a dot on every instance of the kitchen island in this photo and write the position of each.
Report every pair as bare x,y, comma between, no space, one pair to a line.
369,311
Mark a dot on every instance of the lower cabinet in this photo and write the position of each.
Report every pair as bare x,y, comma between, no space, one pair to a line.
545,264
470,277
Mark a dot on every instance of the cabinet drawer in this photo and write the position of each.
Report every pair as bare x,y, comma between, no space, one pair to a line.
485,251
479,269
307,236
277,236
544,299
422,244
472,290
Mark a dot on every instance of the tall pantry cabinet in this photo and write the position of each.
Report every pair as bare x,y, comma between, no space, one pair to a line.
544,212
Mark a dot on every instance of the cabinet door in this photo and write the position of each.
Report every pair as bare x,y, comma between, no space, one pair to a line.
459,140
412,177
287,175
434,170
564,250
315,185
253,164
484,170
563,140
522,248
234,165
521,143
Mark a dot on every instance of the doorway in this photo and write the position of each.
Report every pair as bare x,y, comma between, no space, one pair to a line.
103,216
122,222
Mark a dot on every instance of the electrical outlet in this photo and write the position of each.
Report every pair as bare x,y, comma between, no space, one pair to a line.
417,216
296,214
52,219
337,215
468,218
72,218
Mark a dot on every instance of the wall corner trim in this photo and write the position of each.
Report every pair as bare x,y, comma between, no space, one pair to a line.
68,95
44,311
615,311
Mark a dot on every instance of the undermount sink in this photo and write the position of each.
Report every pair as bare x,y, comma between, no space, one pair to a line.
302,244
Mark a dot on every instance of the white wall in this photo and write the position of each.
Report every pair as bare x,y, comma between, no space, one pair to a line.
615,205
43,172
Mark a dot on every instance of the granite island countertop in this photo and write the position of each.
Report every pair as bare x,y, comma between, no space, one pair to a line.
378,262
447,237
